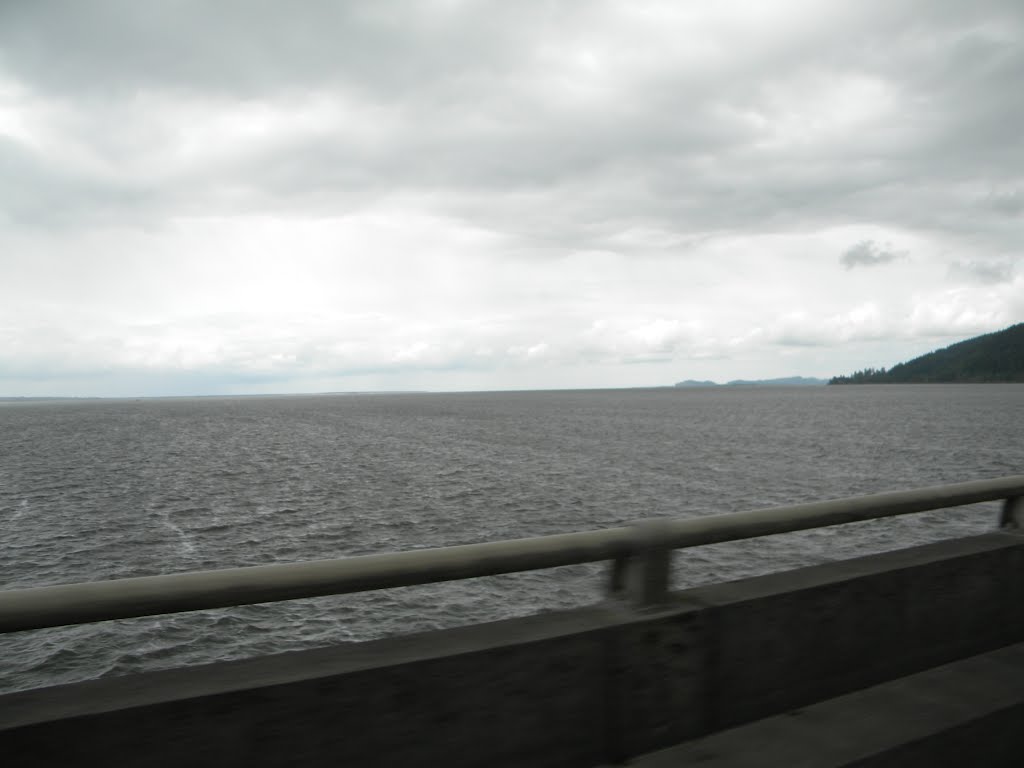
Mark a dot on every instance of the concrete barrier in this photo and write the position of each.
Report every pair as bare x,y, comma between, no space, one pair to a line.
965,713
596,685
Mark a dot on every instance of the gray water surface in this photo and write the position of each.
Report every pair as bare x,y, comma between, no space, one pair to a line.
95,490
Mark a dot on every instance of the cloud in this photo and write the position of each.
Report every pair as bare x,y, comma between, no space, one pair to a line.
867,253
1008,203
957,313
799,329
499,188
983,271
495,113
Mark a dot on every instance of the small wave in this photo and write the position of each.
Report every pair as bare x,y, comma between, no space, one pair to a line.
227,473
58,660
214,528
187,547
20,511
543,469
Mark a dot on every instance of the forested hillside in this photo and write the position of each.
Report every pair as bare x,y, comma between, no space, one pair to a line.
993,357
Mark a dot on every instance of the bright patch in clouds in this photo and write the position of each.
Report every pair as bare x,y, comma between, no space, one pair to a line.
484,195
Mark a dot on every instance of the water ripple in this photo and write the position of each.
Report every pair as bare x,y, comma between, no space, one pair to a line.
112,489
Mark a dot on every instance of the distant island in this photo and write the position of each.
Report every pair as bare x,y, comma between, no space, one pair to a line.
991,358
786,381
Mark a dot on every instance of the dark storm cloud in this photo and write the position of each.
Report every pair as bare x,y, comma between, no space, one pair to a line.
867,253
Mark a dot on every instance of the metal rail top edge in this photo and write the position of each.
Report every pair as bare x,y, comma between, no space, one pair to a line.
58,605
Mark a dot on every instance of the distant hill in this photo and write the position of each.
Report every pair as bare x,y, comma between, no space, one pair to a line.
787,381
993,357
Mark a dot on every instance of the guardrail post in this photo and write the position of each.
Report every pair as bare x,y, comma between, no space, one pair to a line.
1012,517
642,577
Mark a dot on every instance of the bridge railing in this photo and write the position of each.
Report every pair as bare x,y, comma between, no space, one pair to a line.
640,555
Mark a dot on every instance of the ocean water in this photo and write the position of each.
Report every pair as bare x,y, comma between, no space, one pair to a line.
93,490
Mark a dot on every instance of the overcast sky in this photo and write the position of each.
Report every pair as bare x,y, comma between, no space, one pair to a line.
233,197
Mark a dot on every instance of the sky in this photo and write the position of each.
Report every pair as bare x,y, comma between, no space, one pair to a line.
257,197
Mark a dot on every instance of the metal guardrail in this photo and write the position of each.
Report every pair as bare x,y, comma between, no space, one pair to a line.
640,554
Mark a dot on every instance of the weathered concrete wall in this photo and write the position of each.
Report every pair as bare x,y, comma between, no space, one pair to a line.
577,688
792,638
965,713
